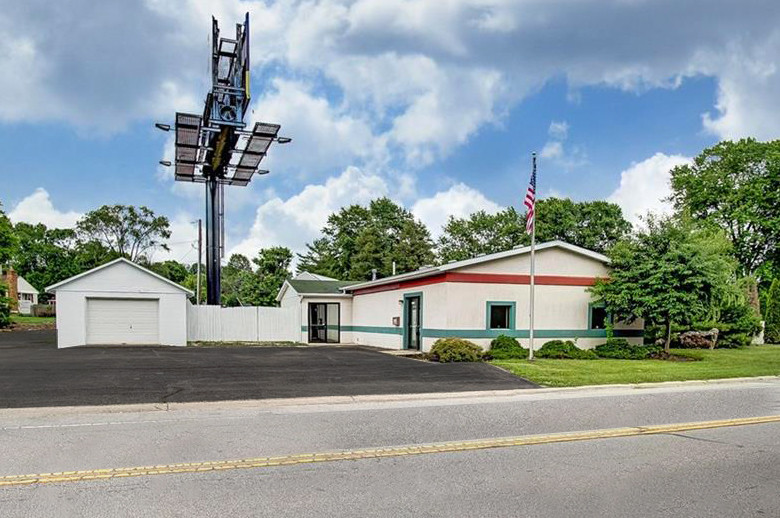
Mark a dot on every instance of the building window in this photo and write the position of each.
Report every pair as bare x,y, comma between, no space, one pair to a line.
500,315
27,296
598,317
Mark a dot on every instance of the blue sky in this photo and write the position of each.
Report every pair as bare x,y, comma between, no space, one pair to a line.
435,104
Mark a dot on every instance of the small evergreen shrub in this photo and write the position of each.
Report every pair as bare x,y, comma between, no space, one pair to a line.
505,347
564,350
772,318
619,348
5,308
455,350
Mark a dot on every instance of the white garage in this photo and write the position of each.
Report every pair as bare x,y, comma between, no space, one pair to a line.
120,303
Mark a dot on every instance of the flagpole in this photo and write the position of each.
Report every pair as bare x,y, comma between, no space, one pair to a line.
533,246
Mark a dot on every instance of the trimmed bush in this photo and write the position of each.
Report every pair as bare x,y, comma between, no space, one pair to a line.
5,307
564,350
455,350
620,349
505,347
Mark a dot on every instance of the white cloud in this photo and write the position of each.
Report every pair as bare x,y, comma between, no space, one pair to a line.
558,130
183,243
459,201
38,208
297,220
417,77
552,150
645,185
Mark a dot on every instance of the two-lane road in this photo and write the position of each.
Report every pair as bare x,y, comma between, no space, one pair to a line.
726,471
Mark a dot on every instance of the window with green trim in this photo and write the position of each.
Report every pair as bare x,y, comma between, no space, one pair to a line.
500,316
599,318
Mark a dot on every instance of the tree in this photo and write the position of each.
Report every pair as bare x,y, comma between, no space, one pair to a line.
7,238
595,225
736,186
273,268
235,275
124,230
772,322
171,270
45,256
669,273
357,240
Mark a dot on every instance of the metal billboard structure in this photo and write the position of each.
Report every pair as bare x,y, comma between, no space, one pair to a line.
215,148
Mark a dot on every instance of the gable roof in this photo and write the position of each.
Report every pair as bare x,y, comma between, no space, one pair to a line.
55,287
432,270
311,287
308,276
22,286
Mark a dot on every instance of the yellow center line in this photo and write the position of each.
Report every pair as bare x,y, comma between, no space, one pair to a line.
373,453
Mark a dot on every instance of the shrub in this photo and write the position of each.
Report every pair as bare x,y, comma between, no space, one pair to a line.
619,348
5,308
505,347
456,350
772,330
564,350
42,310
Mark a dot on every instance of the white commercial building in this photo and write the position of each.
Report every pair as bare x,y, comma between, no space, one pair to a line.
120,302
477,299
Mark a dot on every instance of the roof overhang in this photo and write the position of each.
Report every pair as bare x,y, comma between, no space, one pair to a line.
59,285
433,270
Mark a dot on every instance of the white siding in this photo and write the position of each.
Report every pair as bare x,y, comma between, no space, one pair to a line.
120,281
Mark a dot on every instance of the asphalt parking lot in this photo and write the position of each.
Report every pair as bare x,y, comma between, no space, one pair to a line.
34,373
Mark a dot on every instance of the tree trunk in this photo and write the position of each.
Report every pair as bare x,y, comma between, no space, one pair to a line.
668,343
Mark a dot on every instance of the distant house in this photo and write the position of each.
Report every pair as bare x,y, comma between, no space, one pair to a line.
22,294
477,299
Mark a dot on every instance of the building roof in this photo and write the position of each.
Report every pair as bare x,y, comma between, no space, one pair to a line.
55,287
433,270
311,287
22,286
308,276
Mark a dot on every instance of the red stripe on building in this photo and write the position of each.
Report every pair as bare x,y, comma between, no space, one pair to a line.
483,278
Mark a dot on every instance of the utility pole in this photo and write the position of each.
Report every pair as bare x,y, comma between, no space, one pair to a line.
200,252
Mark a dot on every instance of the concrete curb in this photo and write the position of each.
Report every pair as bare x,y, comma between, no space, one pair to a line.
461,397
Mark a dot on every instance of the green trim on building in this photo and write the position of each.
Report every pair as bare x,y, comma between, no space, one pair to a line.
512,312
404,326
492,333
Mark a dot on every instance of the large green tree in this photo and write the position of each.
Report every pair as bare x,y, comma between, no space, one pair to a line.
736,186
171,270
7,244
125,230
45,256
669,272
357,240
237,276
596,225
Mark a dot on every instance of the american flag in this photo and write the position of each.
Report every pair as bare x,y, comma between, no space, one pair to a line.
530,201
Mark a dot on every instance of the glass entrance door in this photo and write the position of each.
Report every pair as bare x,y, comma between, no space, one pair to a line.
324,322
413,323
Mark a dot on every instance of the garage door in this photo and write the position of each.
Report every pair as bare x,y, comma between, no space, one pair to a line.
122,321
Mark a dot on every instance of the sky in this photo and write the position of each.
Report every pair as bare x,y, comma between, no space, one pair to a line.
437,104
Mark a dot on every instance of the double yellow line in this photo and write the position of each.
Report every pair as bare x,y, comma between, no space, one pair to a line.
372,453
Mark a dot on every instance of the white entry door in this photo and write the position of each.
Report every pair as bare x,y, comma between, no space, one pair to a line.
122,321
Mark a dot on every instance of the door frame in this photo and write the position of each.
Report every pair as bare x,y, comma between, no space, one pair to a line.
405,319
338,325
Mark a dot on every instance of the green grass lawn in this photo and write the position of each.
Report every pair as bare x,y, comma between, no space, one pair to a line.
26,319
761,360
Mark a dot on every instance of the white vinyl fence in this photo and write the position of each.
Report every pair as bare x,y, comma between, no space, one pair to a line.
247,324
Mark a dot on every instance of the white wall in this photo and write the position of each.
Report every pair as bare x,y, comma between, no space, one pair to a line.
119,280
243,324
72,315
453,306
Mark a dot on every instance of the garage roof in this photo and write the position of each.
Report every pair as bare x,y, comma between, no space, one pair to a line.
55,287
